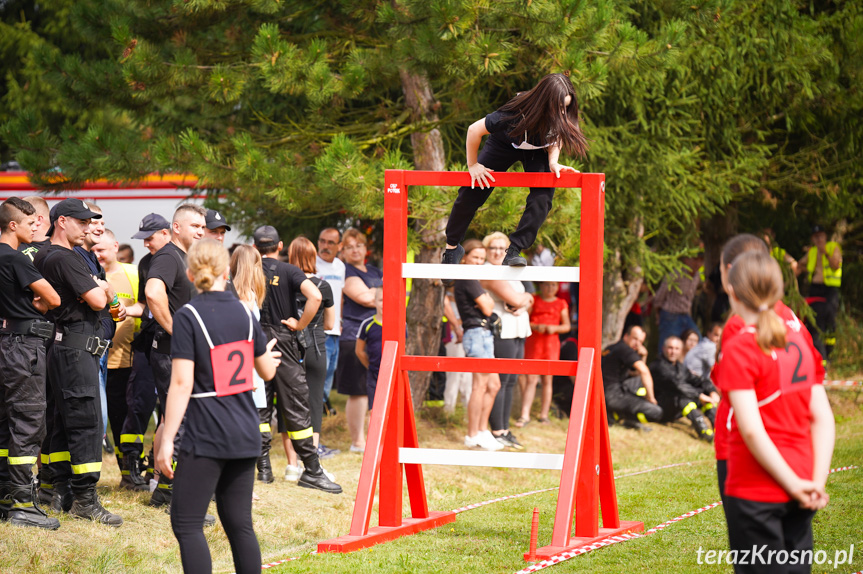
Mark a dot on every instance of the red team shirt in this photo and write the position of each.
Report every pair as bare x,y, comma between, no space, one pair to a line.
782,381
545,345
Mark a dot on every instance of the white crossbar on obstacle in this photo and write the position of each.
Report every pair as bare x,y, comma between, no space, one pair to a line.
489,272
447,457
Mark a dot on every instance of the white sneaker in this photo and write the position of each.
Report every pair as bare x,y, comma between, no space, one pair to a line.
488,441
471,442
292,473
360,449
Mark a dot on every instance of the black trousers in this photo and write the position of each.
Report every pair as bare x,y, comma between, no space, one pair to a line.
498,420
140,402
824,338
292,391
22,406
76,440
315,362
115,393
160,363
500,156
620,403
759,527
196,480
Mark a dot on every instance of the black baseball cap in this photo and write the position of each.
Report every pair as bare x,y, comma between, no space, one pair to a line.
818,229
266,236
215,220
72,207
150,225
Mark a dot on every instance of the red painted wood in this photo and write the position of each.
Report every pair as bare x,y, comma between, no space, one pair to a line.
379,534
474,365
573,452
501,179
413,472
547,552
607,487
374,444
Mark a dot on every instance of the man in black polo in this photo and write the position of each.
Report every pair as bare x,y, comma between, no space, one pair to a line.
24,297
167,289
73,370
629,397
141,397
281,320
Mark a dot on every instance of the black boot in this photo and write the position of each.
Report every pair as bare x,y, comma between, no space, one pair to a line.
265,470
26,510
62,499
131,475
149,465
5,500
163,493
700,424
313,477
710,412
45,485
87,506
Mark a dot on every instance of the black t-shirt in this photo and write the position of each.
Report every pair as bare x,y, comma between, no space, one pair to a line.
169,265
108,325
69,275
148,323
466,292
316,326
617,360
500,123
217,427
283,288
17,273
32,248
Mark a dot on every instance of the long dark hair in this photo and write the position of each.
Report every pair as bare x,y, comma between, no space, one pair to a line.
541,111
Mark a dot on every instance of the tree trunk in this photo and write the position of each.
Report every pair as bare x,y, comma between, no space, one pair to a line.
620,290
425,308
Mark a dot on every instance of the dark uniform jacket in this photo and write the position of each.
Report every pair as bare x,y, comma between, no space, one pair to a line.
674,379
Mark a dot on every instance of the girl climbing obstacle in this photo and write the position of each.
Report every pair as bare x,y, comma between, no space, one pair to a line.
533,128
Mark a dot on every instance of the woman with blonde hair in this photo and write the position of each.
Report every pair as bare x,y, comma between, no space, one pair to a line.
512,304
781,432
215,344
247,279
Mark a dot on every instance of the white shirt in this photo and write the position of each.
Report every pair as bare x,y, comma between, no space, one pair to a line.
511,326
334,274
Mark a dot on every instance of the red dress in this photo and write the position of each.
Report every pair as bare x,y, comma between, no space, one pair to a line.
544,345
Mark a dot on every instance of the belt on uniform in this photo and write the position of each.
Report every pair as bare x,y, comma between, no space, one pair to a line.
90,343
28,327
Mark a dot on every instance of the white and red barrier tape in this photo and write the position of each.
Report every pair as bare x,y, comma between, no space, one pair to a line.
843,384
563,556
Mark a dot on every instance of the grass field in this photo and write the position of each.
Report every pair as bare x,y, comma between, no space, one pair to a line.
289,521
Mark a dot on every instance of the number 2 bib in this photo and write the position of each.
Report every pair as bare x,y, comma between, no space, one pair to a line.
796,365
232,362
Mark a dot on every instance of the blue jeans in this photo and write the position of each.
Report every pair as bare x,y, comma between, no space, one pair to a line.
332,360
674,324
478,342
103,381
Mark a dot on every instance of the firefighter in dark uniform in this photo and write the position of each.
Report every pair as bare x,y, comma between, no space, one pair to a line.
168,289
679,391
141,396
23,331
629,399
73,365
281,320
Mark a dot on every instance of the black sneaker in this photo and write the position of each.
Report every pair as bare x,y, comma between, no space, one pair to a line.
513,442
513,258
106,444
451,257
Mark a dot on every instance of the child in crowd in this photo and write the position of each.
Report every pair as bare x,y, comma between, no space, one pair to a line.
370,344
782,430
549,317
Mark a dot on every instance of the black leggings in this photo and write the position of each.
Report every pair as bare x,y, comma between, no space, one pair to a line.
499,156
195,481
500,411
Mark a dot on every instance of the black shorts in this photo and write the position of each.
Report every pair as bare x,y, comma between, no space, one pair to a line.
351,375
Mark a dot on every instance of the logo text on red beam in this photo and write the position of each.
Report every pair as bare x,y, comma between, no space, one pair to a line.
393,188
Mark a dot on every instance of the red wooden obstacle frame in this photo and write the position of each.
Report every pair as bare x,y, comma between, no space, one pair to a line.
587,478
